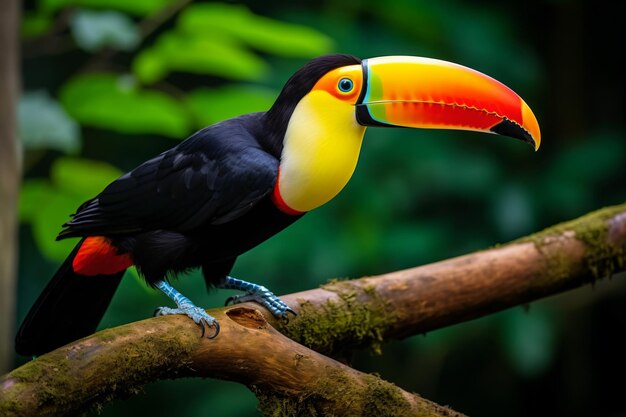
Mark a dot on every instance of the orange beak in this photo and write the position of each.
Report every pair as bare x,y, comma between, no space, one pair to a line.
428,93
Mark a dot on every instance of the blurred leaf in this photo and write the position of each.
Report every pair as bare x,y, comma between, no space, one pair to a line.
46,209
48,204
135,7
529,340
149,66
423,19
33,195
43,123
95,30
264,34
112,102
211,106
51,6
211,55
47,224
81,177
35,24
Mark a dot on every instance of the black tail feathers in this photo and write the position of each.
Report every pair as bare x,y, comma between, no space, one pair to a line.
69,308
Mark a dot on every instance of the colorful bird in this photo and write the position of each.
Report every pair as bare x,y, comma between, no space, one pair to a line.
234,184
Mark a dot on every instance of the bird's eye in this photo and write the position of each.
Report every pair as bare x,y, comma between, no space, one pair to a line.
345,85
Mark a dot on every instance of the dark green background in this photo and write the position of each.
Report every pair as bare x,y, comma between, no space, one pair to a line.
417,196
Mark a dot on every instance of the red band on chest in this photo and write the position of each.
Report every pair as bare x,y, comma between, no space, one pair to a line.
97,256
278,201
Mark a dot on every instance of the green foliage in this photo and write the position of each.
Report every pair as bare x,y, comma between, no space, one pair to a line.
46,204
43,124
95,30
31,195
80,177
134,7
214,39
35,24
209,106
116,103
267,35
47,223
216,55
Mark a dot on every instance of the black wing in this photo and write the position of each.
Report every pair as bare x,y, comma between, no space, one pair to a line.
215,176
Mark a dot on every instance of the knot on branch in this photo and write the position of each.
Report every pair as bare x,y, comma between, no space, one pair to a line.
248,317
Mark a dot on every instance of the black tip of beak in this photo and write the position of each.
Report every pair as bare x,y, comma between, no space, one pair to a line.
513,130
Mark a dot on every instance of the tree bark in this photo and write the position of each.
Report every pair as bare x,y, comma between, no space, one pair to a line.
290,378
10,174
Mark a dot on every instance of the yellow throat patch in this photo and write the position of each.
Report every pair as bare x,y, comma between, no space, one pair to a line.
320,152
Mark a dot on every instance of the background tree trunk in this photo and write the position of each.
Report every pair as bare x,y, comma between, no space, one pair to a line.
9,174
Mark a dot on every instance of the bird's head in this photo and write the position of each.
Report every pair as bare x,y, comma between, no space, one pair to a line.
414,92
323,110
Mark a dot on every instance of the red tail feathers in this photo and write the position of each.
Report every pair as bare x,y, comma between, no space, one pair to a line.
97,256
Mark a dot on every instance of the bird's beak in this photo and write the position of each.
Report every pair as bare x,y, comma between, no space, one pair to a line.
428,93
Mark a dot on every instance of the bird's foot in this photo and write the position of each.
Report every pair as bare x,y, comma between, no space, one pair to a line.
197,314
258,294
187,307
267,299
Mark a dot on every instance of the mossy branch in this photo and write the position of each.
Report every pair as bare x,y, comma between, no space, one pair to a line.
290,378
368,311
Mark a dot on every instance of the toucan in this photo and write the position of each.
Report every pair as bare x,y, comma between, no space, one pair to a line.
234,184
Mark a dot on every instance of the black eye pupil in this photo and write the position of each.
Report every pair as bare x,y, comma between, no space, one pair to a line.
345,85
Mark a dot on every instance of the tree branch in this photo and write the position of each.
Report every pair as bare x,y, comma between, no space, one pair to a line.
291,378
367,311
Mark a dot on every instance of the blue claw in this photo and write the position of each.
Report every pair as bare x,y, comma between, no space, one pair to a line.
185,306
258,294
197,314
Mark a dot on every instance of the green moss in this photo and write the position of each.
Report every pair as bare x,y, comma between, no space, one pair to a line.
271,405
382,398
140,358
559,267
359,318
601,259
135,364
367,395
10,405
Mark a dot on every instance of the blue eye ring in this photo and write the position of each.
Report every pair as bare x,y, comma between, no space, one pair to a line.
345,85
